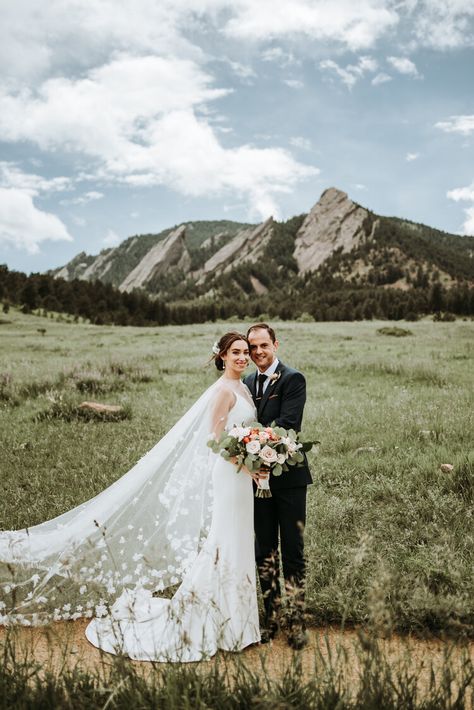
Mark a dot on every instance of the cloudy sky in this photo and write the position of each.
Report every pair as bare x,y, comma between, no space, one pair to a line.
121,117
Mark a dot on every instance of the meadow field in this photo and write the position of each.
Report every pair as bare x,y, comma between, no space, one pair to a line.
389,536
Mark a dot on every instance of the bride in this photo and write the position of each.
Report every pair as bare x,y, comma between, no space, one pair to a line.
181,514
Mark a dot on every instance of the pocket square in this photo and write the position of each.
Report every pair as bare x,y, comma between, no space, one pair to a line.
273,396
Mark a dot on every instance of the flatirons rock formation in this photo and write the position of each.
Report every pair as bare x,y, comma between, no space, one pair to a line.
334,222
76,267
247,246
368,250
167,254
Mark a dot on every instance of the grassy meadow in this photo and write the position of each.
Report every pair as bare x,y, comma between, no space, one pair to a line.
389,535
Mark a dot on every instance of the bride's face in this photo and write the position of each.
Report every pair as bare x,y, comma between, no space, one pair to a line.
237,357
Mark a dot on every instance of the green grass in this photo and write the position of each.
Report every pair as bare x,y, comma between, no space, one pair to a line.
359,676
389,536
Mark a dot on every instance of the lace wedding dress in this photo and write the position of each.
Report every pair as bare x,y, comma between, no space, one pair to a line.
181,514
216,605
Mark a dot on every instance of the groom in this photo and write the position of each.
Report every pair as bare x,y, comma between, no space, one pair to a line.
279,393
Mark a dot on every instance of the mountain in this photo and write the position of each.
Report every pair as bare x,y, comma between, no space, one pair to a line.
338,260
195,243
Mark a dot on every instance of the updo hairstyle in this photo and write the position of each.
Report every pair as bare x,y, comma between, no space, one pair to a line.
224,344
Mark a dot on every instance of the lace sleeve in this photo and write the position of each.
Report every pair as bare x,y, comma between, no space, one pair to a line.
221,407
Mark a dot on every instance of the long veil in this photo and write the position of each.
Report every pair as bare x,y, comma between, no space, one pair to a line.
144,531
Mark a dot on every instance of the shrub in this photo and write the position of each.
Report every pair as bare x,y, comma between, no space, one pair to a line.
69,412
305,317
395,331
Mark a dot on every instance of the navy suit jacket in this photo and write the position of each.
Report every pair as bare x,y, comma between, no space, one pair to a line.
283,403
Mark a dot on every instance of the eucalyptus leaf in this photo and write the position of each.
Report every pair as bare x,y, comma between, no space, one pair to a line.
277,470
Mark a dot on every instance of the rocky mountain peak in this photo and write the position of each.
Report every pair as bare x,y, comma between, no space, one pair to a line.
247,245
334,222
166,254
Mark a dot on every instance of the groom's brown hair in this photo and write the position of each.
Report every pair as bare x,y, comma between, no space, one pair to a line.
264,326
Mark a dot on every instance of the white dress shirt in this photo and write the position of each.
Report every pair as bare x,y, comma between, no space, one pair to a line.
269,371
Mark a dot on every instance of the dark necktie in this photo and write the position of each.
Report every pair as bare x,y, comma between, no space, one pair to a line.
261,382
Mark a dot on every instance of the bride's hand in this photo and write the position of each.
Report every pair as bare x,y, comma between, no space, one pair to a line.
252,474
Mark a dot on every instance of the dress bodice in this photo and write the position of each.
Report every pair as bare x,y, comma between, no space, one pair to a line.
242,412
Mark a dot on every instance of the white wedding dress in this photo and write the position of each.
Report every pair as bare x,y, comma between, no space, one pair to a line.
182,514
215,606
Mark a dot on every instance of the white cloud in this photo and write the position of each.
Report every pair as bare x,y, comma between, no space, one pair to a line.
243,71
457,124
360,186
12,176
25,226
101,115
355,25
381,78
300,142
148,134
81,34
37,39
111,239
185,154
351,74
462,193
365,64
465,194
444,24
84,199
468,226
294,83
278,55
404,66
410,157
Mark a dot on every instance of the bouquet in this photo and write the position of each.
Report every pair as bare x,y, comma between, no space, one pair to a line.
261,449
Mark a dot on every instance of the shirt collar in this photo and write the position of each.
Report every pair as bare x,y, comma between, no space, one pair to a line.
270,370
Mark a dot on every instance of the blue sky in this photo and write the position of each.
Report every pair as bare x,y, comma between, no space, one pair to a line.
121,118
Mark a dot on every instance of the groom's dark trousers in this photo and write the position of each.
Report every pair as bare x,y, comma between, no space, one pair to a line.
283,516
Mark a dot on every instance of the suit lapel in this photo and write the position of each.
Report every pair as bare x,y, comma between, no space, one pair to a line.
270,388
254,386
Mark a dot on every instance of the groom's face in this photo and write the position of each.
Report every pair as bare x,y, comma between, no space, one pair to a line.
262,348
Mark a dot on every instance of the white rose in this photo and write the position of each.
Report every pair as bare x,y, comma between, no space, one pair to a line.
239,432
293,447
253,447
268,455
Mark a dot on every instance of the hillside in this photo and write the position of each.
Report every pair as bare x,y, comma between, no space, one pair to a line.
114,265
338,238
340,261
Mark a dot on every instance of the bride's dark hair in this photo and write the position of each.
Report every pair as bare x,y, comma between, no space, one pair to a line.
222,346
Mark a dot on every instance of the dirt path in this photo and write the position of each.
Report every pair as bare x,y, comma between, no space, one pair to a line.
65,643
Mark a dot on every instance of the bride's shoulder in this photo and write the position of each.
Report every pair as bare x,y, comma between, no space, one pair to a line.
224,394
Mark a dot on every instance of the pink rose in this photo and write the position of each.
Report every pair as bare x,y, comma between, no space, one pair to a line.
268,455
253,447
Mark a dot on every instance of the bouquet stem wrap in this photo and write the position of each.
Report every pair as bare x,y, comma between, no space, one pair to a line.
263,485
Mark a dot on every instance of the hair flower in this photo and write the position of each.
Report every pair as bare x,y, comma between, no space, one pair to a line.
215,348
